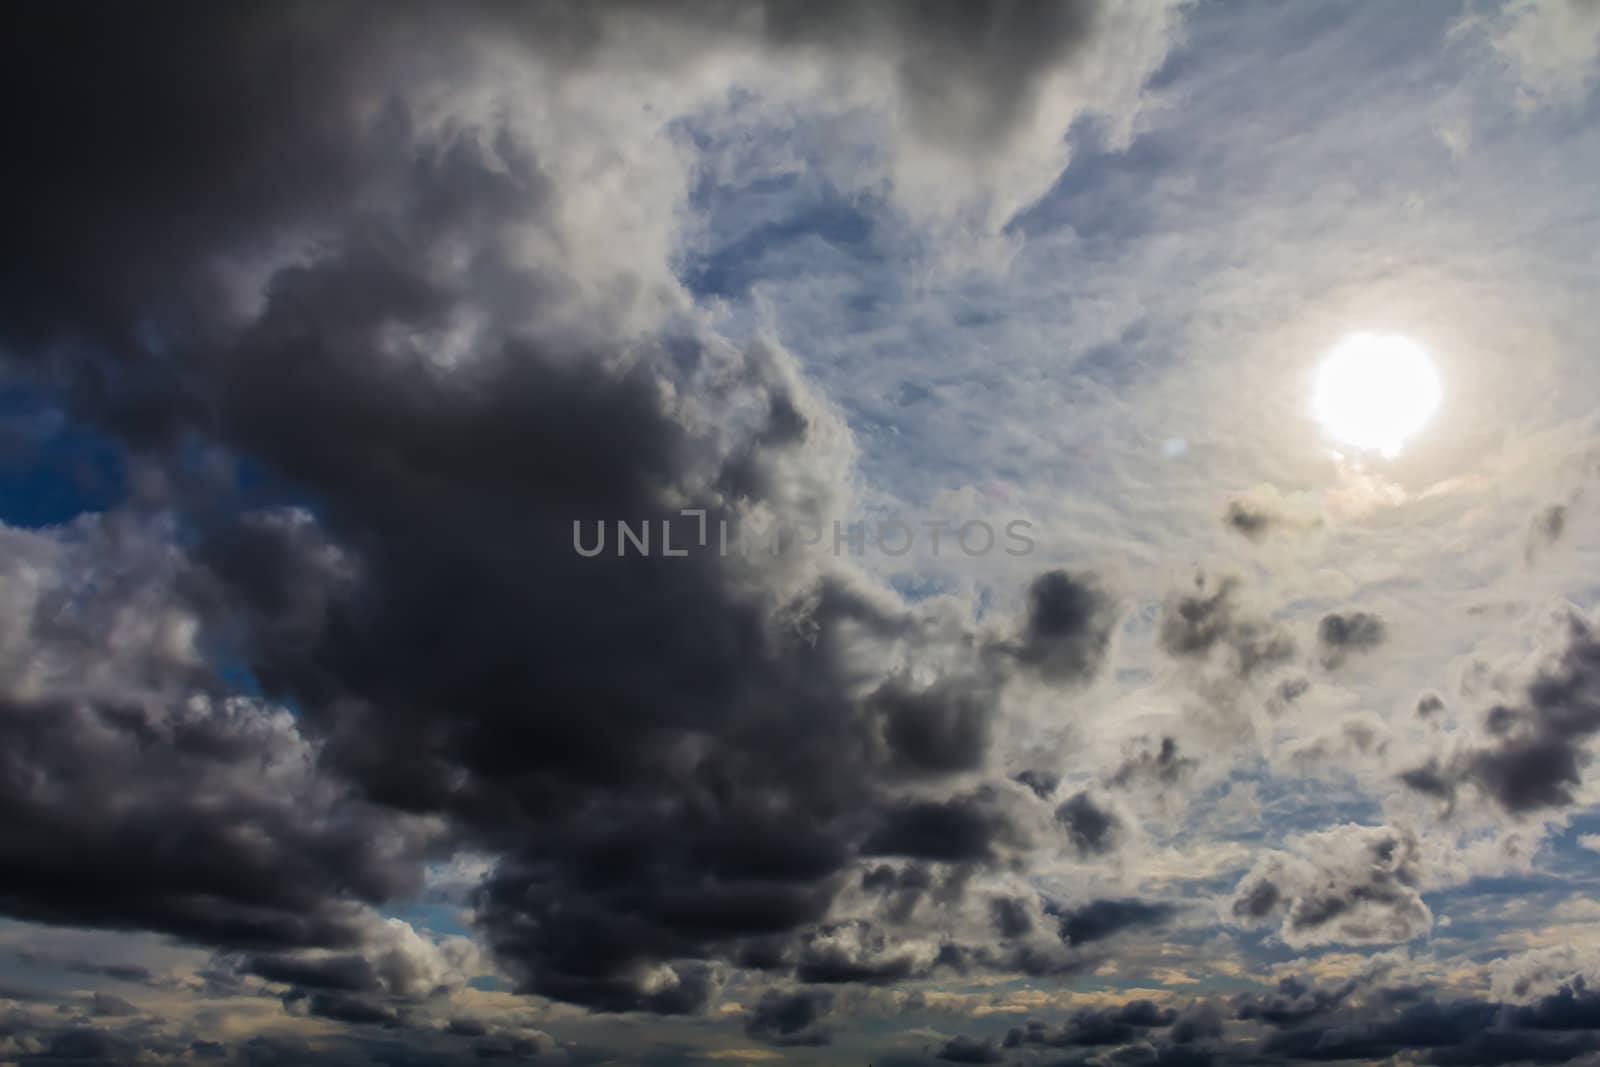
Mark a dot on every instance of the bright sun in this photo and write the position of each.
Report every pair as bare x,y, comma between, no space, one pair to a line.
1374,391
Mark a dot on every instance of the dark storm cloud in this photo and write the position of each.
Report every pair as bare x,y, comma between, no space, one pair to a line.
1011,917
1529,773
1329,1026
1040,783
1101,919
1095,1027
941,730
1340,635
1431,780
1537,750
1134,1026
1196,625
501,1047
1360,1020
1068,627
340,1008
128,165
960,830
348,973
905,887
86,1047
669,758
791,1019
1259,901
1201,1022
1538,759
1424,1026
1092,829
422,564
968,1050
281,884
111,1043
207,814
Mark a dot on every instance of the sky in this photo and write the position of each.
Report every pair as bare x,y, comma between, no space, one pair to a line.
702,533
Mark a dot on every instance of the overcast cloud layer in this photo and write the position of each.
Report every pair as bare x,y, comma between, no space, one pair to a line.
492,534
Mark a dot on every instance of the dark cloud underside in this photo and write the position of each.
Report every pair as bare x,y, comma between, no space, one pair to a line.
671,781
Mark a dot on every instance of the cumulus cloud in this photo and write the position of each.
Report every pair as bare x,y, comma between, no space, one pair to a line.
1068,627
1090,828
125,756
1201,624
384,310
1340,635
1350,885
1533,752
1398,1021
1100,919
1095,1027
1163,765
1526,977
428,325
967,1050
791,1018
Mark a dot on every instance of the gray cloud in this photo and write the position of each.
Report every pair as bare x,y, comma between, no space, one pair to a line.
941,730
255,846
1100,919
1091,829
1196,625
1537,749
1252,522
1067,631
1445,1031
670,759
967,1050
791,1019
358,258
1012,917
1341,634
1041,783
1347,885
1095,1027
1163,766
959,830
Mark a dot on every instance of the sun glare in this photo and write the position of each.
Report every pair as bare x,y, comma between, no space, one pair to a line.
1376,391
